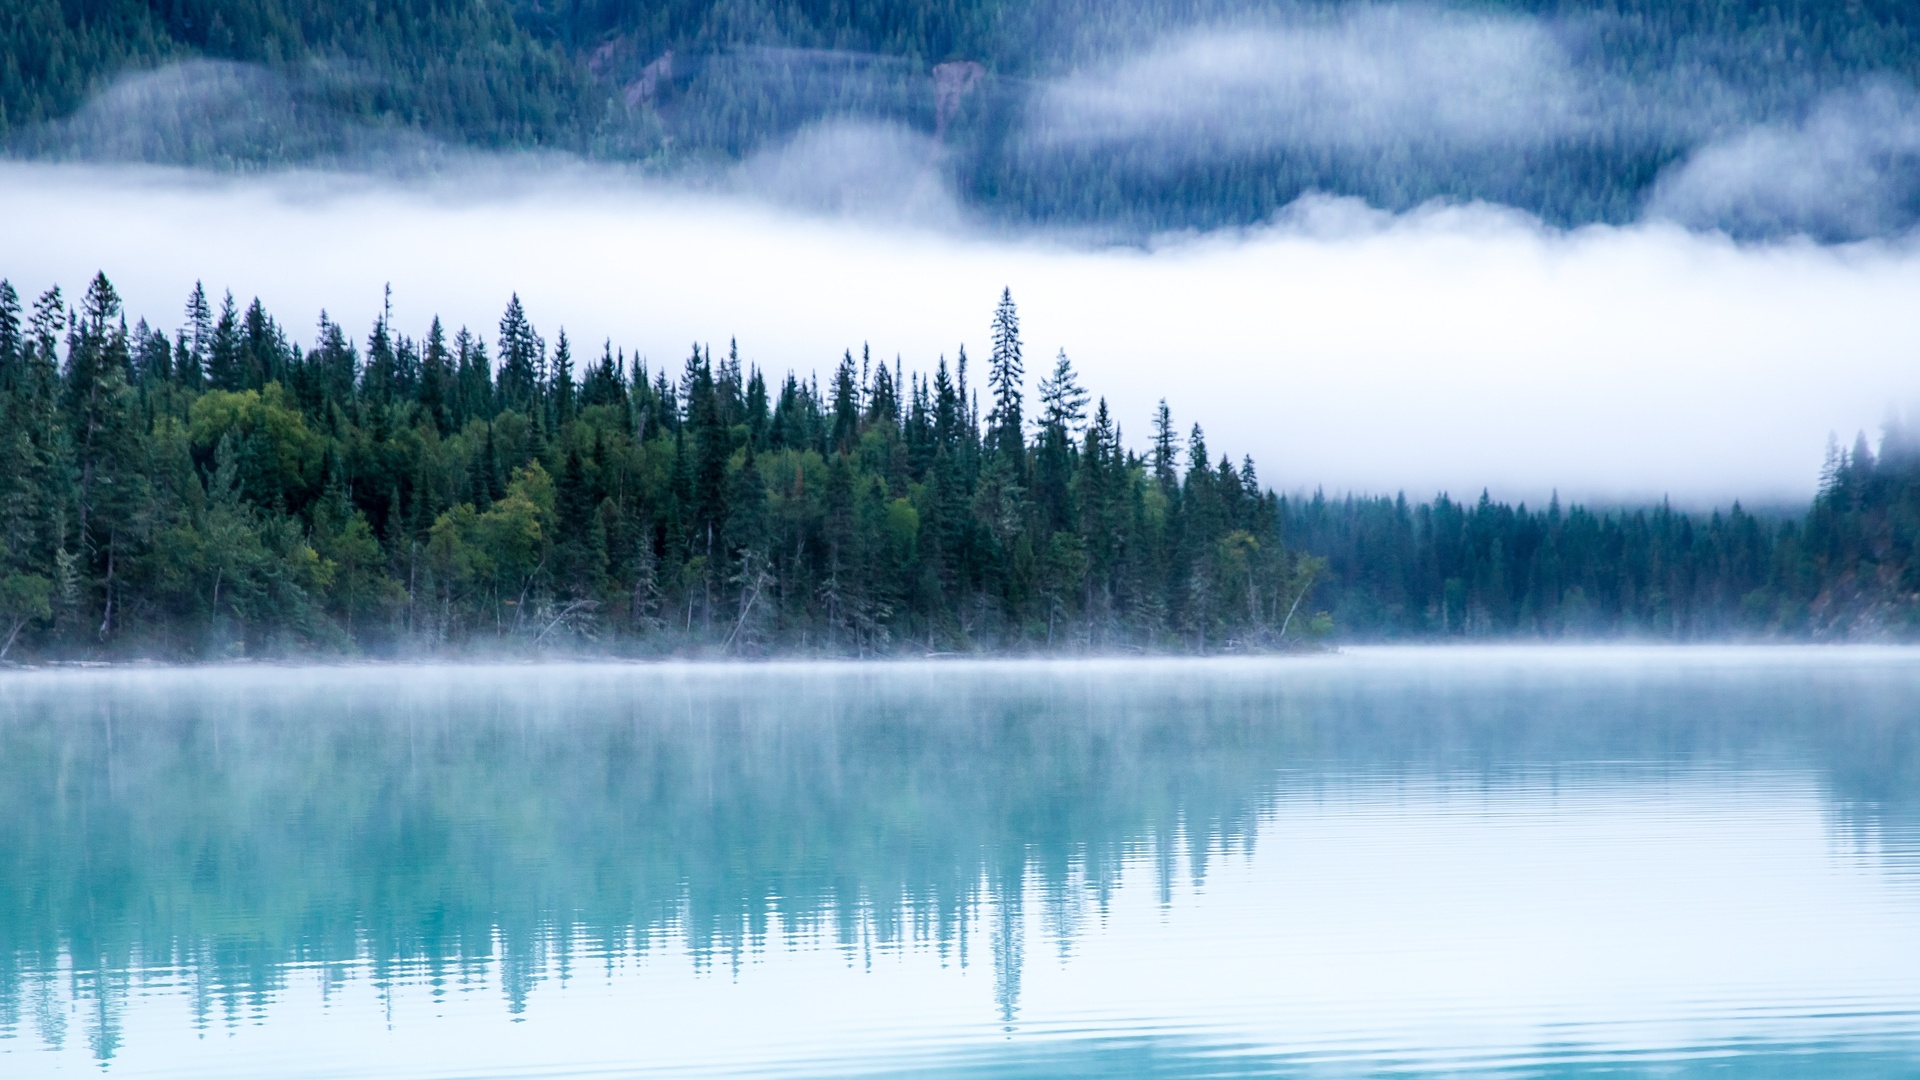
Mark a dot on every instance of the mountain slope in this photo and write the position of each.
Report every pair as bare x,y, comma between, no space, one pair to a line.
1132,119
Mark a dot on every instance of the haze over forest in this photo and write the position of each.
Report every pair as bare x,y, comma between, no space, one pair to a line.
1121,118
1645,257
1359,205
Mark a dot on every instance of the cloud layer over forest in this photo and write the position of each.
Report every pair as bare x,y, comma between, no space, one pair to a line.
1161,123
1452,345
1374,79
1394,95
1341,346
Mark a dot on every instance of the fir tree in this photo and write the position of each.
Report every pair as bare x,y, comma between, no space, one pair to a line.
519,377
1005,376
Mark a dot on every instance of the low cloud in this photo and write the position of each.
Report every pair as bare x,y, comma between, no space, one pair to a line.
1850,169
207,112
1205,126
854,169
1450,348
1370,78
1397,104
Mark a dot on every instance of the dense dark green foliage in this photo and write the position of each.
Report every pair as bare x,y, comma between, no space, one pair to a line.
455,70
222,492
1850,567
695,83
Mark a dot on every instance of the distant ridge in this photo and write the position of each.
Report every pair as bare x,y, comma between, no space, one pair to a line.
1154,117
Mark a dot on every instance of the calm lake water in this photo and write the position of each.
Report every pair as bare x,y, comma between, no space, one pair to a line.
1522,862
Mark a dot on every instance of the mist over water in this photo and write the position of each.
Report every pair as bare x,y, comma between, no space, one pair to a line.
1376,247
1497,862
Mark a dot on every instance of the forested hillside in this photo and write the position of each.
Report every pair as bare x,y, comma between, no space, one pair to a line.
452,69
216,491
1567,108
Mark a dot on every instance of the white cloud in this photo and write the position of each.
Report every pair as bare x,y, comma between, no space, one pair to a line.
853,168
1371,78
216,111
1447,348
1850,169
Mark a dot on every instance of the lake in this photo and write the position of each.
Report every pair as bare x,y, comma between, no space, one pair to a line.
1553,862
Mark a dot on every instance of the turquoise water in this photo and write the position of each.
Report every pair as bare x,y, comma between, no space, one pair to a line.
1521,862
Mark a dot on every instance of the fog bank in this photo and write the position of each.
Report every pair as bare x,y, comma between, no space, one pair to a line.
1445,349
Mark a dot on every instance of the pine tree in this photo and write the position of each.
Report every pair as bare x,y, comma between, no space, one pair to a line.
106,438
199,338
263,353
758,417
378,380
1163,451
1063,402
560,392
11,342
337,364
606,382
438,379
225,367
1063,408
846,405
519,377
1005,375
476,400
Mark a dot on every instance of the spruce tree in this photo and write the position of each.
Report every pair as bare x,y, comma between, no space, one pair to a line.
1005,376
380,375
846,405
199,338
519,376
560,390
11,340
438,393
225,366
1163,449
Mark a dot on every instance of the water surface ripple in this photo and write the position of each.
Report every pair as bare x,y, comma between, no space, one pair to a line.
1447,862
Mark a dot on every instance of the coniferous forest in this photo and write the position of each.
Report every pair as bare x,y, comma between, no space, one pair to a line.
692,86
220,492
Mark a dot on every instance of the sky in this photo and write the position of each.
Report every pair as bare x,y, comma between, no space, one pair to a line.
1448,349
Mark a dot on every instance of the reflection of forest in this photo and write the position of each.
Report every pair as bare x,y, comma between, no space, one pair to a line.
231,822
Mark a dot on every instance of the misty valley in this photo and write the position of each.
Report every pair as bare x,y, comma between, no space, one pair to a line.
977,540
1119,120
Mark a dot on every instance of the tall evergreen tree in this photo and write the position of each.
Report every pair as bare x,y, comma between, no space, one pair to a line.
560,390
1005,375
520,361
198,332
439,393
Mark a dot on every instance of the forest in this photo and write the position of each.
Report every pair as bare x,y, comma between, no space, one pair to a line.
219,492
691,87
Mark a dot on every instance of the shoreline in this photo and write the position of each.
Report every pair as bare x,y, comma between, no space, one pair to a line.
1474,654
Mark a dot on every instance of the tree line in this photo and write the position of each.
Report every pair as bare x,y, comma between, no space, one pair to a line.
223,492
1848,567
